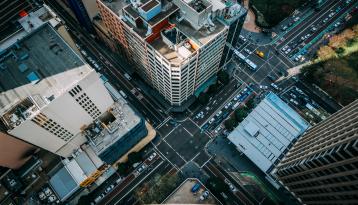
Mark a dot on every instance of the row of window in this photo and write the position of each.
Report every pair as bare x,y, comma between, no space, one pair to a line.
51,126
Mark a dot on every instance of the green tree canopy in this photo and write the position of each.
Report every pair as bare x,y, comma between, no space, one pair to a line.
223,77
203,98
134,157
230,123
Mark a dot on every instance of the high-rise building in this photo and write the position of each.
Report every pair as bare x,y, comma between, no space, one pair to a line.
322,167
80,11
51,98
176,46
11,11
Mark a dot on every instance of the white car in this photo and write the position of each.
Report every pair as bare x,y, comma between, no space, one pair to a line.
296,19
263,87
42,196
48,191
211,120
243,38
275,86
219,113
288,50
152,156
247,51
294,101
331,15
217,130
52,198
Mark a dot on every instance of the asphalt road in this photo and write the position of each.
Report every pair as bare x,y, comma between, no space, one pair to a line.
321,20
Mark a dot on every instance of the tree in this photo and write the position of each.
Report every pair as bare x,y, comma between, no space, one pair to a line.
122,168
240,114
250,104
230,123
84,200
340,50
134,157
217,185
203,98
223,77
213,88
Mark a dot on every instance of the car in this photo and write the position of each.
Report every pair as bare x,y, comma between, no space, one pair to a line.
296,19
294,101
219,113
331,14
337,24
272,78
247,51
293,95
52,198
298,58
288,51
141,168
152,156
97,199
211,120
47,191
42,196
313,29
263,87
284,28
242,38
217,130
275,86
284,48
325,20
109,188
204,195
119,180
207,108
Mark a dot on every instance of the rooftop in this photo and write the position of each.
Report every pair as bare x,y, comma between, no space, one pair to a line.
268,131
37,69
111,126
172,34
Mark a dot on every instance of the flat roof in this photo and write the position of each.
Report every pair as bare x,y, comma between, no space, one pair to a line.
266,133
119,121
40,64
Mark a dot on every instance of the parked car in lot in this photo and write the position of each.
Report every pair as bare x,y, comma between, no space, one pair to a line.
217,130
152,156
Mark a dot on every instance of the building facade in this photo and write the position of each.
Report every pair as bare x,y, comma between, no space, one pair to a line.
52,99
322,167
81,14
175,46
11,11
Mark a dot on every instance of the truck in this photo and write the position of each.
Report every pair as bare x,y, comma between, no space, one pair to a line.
112,91
127,76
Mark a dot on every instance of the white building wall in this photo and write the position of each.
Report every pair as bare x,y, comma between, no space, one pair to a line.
64,118
32,133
